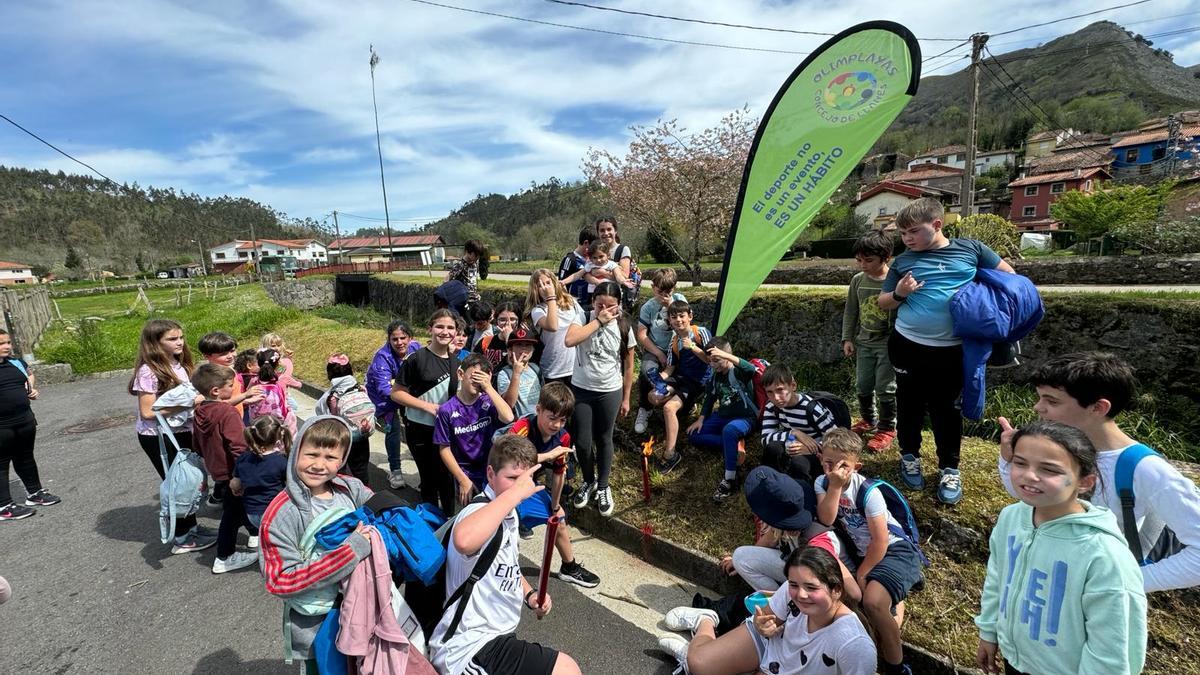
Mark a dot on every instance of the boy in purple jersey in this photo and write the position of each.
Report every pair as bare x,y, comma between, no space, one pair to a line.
465,424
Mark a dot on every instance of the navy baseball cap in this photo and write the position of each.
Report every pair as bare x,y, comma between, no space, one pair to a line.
778,499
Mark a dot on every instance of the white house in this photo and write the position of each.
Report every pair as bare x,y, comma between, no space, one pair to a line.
12,273
986,160
308,252
950,155
880,203
423,249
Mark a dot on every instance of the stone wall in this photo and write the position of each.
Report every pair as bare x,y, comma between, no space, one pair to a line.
301,293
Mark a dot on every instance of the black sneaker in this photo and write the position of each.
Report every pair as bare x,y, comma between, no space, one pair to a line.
525,532
15,511
667,464
577,574
41,498
725,489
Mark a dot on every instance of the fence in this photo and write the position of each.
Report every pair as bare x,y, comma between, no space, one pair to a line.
361,268
26,315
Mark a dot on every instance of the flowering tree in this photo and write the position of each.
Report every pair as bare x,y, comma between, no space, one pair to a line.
680,186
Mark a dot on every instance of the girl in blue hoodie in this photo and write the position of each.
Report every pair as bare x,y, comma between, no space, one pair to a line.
1063,593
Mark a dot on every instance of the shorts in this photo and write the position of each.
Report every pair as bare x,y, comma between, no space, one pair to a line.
899,570
535,510
688,391
506,655
769,652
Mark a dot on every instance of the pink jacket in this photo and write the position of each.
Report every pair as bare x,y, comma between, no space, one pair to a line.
368,631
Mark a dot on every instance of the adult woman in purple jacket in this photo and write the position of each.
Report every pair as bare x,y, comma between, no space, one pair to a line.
383,370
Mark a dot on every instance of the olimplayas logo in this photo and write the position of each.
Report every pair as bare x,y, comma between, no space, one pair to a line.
850,86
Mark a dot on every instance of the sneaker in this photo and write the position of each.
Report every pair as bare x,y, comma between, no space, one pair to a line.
862,426
577,574
950,487
882,440
604,501
910,472
584,495
41,498
725,489
668,464
396,479
15,511
643,419
525,532
688,618
237,561
191,544
252,542
676,647
204,532
213,499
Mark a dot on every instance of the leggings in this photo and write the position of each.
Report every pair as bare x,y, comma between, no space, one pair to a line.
233,518
437,486
592,429
16,448
149,443
359,460
928,379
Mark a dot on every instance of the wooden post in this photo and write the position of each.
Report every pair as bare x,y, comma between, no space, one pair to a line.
966,198
57,310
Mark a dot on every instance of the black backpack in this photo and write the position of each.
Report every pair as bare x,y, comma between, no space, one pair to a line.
835,405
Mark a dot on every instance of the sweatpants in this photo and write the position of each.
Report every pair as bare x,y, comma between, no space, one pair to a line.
437,485
928,380
149,443
359,460
875,380
723,433
592,430
233,518
16,448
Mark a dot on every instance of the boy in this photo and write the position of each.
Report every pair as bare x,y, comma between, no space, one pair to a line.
730,390
865,331
313,487
597,260
458,348
481,317
221,349
793,426
572,263
520,381
219,438
464,425
654,335
890,565
485,641
546,430
924,352
1087,391
687,370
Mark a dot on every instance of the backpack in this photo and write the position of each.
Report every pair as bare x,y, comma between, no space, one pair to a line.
274,402
835,405
184,488
19,365
1167,544
630,295
759,400
355,407
697,337
897,506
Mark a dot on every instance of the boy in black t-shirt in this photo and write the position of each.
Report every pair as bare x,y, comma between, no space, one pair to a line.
573,262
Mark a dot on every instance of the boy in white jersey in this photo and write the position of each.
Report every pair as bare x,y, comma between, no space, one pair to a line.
485,638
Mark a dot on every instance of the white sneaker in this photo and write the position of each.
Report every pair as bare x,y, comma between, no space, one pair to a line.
252,542
396,479
688,618
675,646
642,421
237,561
604,501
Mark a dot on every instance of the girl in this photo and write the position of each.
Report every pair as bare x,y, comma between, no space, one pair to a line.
1062,593
18,428
428,379
469,267
382,372
261,474
245,367
495,346
286,367
619,253
601,380
275,399
804,628
164,361
335,401
551,309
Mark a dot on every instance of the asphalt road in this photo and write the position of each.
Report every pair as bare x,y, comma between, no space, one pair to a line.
95,592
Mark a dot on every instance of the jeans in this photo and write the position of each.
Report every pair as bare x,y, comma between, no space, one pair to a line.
592,429
718,432
928,379
876,379
149,443
16,448
393,437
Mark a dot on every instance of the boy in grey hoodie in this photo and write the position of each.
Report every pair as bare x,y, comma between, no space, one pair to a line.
313,487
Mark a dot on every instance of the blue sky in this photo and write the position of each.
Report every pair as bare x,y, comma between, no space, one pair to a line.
272,100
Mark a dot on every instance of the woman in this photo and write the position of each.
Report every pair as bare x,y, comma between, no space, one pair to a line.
18,429
468,268
382,372
620,253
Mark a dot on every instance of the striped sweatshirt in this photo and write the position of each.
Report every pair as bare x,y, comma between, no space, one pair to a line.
808,415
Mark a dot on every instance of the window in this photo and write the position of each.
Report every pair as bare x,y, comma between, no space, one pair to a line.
1145,169
1158,153
1029,211
1031,190
1057,188
942,160
241,254
1087,185
960,157
1131,156
219,256
883,210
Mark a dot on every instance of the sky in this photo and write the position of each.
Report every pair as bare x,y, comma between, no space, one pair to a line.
272,100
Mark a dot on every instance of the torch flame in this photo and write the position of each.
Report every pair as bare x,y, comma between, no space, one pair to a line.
648,447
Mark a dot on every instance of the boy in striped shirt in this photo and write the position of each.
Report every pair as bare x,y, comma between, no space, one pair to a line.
793,426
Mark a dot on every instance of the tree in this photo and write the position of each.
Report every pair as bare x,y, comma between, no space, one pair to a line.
1093,214
681,186
73,261
999,234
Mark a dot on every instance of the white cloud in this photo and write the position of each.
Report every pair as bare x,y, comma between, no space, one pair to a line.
326,155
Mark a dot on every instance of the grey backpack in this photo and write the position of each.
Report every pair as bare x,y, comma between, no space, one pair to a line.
184,488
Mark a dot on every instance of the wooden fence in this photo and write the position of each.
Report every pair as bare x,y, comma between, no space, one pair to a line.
361,268
27,313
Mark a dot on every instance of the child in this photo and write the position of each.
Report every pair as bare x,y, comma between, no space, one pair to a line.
686,370
890,565
468,268
654,336
1087,391
1062,593
221,349
342,382
313,487
465,425
286,367
428,379
461,339
381,374
261,474
730,390
18,429
552,309
246,367
865,331
792,427
924,352
485,640
480,314
575,261
274,398
805,623
520,382
597,260
546,430
495,346
220,440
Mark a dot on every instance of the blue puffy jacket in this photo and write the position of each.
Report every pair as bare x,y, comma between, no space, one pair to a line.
996,307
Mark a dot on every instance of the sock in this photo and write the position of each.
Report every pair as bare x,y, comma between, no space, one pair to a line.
731,475
569,566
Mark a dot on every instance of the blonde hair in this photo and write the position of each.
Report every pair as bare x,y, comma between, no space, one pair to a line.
275,341
844,441
534,297
924,210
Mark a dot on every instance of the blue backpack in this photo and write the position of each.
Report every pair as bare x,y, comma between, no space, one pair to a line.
1167,543
184,488
897,506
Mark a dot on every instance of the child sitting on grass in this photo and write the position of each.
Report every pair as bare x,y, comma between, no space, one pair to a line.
654,336
685,372
730,392
865,331
465,425
793,425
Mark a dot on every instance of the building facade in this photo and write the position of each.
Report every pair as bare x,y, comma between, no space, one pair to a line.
1033,195
12,274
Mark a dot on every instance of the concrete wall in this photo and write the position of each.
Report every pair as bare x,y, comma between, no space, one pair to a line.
301,293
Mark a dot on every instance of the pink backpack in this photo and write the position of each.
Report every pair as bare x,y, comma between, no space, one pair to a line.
274,402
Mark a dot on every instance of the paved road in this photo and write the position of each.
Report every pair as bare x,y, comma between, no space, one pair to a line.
94,591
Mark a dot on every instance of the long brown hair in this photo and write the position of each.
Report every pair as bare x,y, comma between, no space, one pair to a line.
152,355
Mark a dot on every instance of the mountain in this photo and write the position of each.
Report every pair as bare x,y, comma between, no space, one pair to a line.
1101,78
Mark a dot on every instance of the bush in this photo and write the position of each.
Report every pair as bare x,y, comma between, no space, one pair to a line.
999,234
1162,236
1092,214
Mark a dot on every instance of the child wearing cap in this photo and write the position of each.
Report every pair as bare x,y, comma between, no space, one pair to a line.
520,382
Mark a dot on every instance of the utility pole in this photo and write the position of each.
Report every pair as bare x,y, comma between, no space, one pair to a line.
338,231
1174,127
967,194
379,147
200,248
254,257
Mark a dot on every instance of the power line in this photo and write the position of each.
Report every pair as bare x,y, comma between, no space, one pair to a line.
64,153
1123,24
715,23
960,44
1068,18
929,71
608,32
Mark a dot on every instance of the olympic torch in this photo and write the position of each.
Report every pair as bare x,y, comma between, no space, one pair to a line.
560,470
647,451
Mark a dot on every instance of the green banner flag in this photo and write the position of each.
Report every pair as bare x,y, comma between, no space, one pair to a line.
827,115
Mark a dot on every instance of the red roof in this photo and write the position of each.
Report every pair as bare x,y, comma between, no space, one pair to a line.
397,240
1058,177
906,189
924,172
14,266
1188,131
285,243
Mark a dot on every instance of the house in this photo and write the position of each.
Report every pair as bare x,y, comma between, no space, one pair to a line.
307,252
1071,157
991,158
950,155
872,168
365,254
1043,143
186,271
930,175
1033,195
1149,151
422,249
880,202
12,273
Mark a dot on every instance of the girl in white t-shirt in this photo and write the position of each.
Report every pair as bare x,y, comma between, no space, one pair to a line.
804,628
551,309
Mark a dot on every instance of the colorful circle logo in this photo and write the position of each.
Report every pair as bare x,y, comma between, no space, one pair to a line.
850,90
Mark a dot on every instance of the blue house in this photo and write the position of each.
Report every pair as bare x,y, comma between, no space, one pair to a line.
1146,152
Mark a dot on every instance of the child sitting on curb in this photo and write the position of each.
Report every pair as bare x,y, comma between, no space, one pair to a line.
730,391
